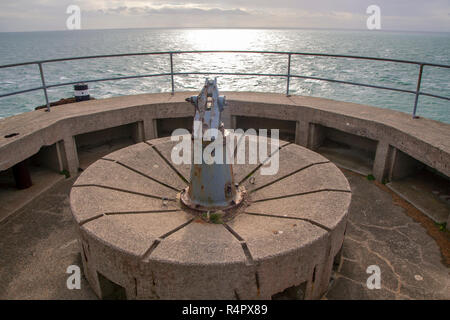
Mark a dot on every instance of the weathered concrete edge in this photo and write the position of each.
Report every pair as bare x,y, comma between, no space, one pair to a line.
64,122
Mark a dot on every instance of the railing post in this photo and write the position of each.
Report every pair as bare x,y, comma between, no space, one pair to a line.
288,75
44,87
419,81
171,73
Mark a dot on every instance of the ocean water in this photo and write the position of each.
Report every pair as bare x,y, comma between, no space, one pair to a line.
427,47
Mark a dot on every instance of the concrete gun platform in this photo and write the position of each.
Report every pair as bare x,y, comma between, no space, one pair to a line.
41,241
136,235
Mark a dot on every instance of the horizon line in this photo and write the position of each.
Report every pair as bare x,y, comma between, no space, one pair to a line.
231,28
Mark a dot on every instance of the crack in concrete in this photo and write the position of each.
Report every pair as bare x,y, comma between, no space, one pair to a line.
141,212
382,227
83,222
293,218
301,194
146,256
339,275
388,263
144,175
262,163
168,163
291,174
243,243
123,190
349,221
249,258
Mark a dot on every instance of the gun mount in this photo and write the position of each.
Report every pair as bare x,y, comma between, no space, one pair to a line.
211,184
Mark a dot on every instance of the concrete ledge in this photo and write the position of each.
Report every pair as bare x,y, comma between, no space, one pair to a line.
398,144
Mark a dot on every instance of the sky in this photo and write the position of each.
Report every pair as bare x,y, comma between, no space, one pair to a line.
401,15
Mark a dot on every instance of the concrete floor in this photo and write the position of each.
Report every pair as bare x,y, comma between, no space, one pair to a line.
12,199
382,232
39,242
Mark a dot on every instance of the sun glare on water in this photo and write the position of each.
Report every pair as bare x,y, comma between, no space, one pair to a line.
222,39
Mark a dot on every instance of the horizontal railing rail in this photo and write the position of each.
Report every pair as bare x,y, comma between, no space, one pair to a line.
288,75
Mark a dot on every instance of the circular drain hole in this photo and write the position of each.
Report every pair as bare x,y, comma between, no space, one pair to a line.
11,135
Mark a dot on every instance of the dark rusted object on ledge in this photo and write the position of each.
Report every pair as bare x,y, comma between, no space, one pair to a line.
22,175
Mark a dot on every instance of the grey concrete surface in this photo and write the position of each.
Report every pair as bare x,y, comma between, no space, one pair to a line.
426,194
12,199
39,243
380,233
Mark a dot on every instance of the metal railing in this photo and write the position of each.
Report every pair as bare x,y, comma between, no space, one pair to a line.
288,75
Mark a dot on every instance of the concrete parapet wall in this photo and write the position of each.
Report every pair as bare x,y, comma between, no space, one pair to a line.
424,140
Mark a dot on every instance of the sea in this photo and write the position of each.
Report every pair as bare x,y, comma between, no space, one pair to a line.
17,47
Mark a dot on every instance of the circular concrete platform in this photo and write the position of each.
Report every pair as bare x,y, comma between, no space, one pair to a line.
139,242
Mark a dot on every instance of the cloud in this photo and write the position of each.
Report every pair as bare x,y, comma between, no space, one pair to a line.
173,10
410,15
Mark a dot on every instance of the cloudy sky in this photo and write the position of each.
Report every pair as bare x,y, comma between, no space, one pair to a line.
407,15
